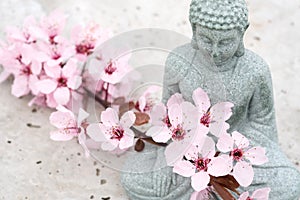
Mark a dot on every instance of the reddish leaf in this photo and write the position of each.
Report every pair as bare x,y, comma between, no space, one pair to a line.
151,141
141,118
221,190
125,107
227,181
139,145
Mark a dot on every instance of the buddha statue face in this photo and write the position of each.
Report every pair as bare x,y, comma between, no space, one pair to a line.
222,45
218,27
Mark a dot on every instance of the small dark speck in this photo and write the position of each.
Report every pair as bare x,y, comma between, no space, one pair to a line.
57,171
257,38
95,163
8,141
105,198
49,173
297,163
67,159
26,197
20,149
102,181
78,154
92,197
283,91
38,162
138,8
33,126
78,164
97,172
34,110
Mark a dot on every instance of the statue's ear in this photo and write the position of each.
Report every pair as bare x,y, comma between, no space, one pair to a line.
241,49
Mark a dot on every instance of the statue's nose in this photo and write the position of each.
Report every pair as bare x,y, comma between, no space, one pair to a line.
215,51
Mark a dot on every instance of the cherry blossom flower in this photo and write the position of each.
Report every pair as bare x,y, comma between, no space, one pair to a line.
238,147
199,163
212,118
87,39
24,35
109,66
60,82
176,123
20,60
148,99
68,125
259,194
52,26
113,132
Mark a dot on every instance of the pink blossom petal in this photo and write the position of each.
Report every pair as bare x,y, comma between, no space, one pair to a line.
244,196
218,128
176,150
36,67
221,111
70,69
159,133
60,136
53,71
32,84
74,82
201,131
50,101
46,86
175,115
208,148
110,117
62,95
201,100
142,103
96,133
200,180
261,194
240,140
20,86
225,143
192,152
190,115
175,99
82,115
127,119
62,119
158,114
243,173
127,139
220,166
184,168
256,155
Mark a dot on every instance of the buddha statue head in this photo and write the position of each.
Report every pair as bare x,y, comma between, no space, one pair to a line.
218,27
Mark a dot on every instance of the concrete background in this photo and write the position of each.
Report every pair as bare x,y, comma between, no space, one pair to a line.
34,167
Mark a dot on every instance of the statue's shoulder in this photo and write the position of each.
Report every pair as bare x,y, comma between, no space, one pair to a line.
178,62
253,65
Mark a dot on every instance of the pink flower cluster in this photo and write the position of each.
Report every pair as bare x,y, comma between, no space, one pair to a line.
51,67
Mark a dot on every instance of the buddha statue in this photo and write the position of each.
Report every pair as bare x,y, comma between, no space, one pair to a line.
238,76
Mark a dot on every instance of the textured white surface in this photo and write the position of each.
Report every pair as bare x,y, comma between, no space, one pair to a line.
64,172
